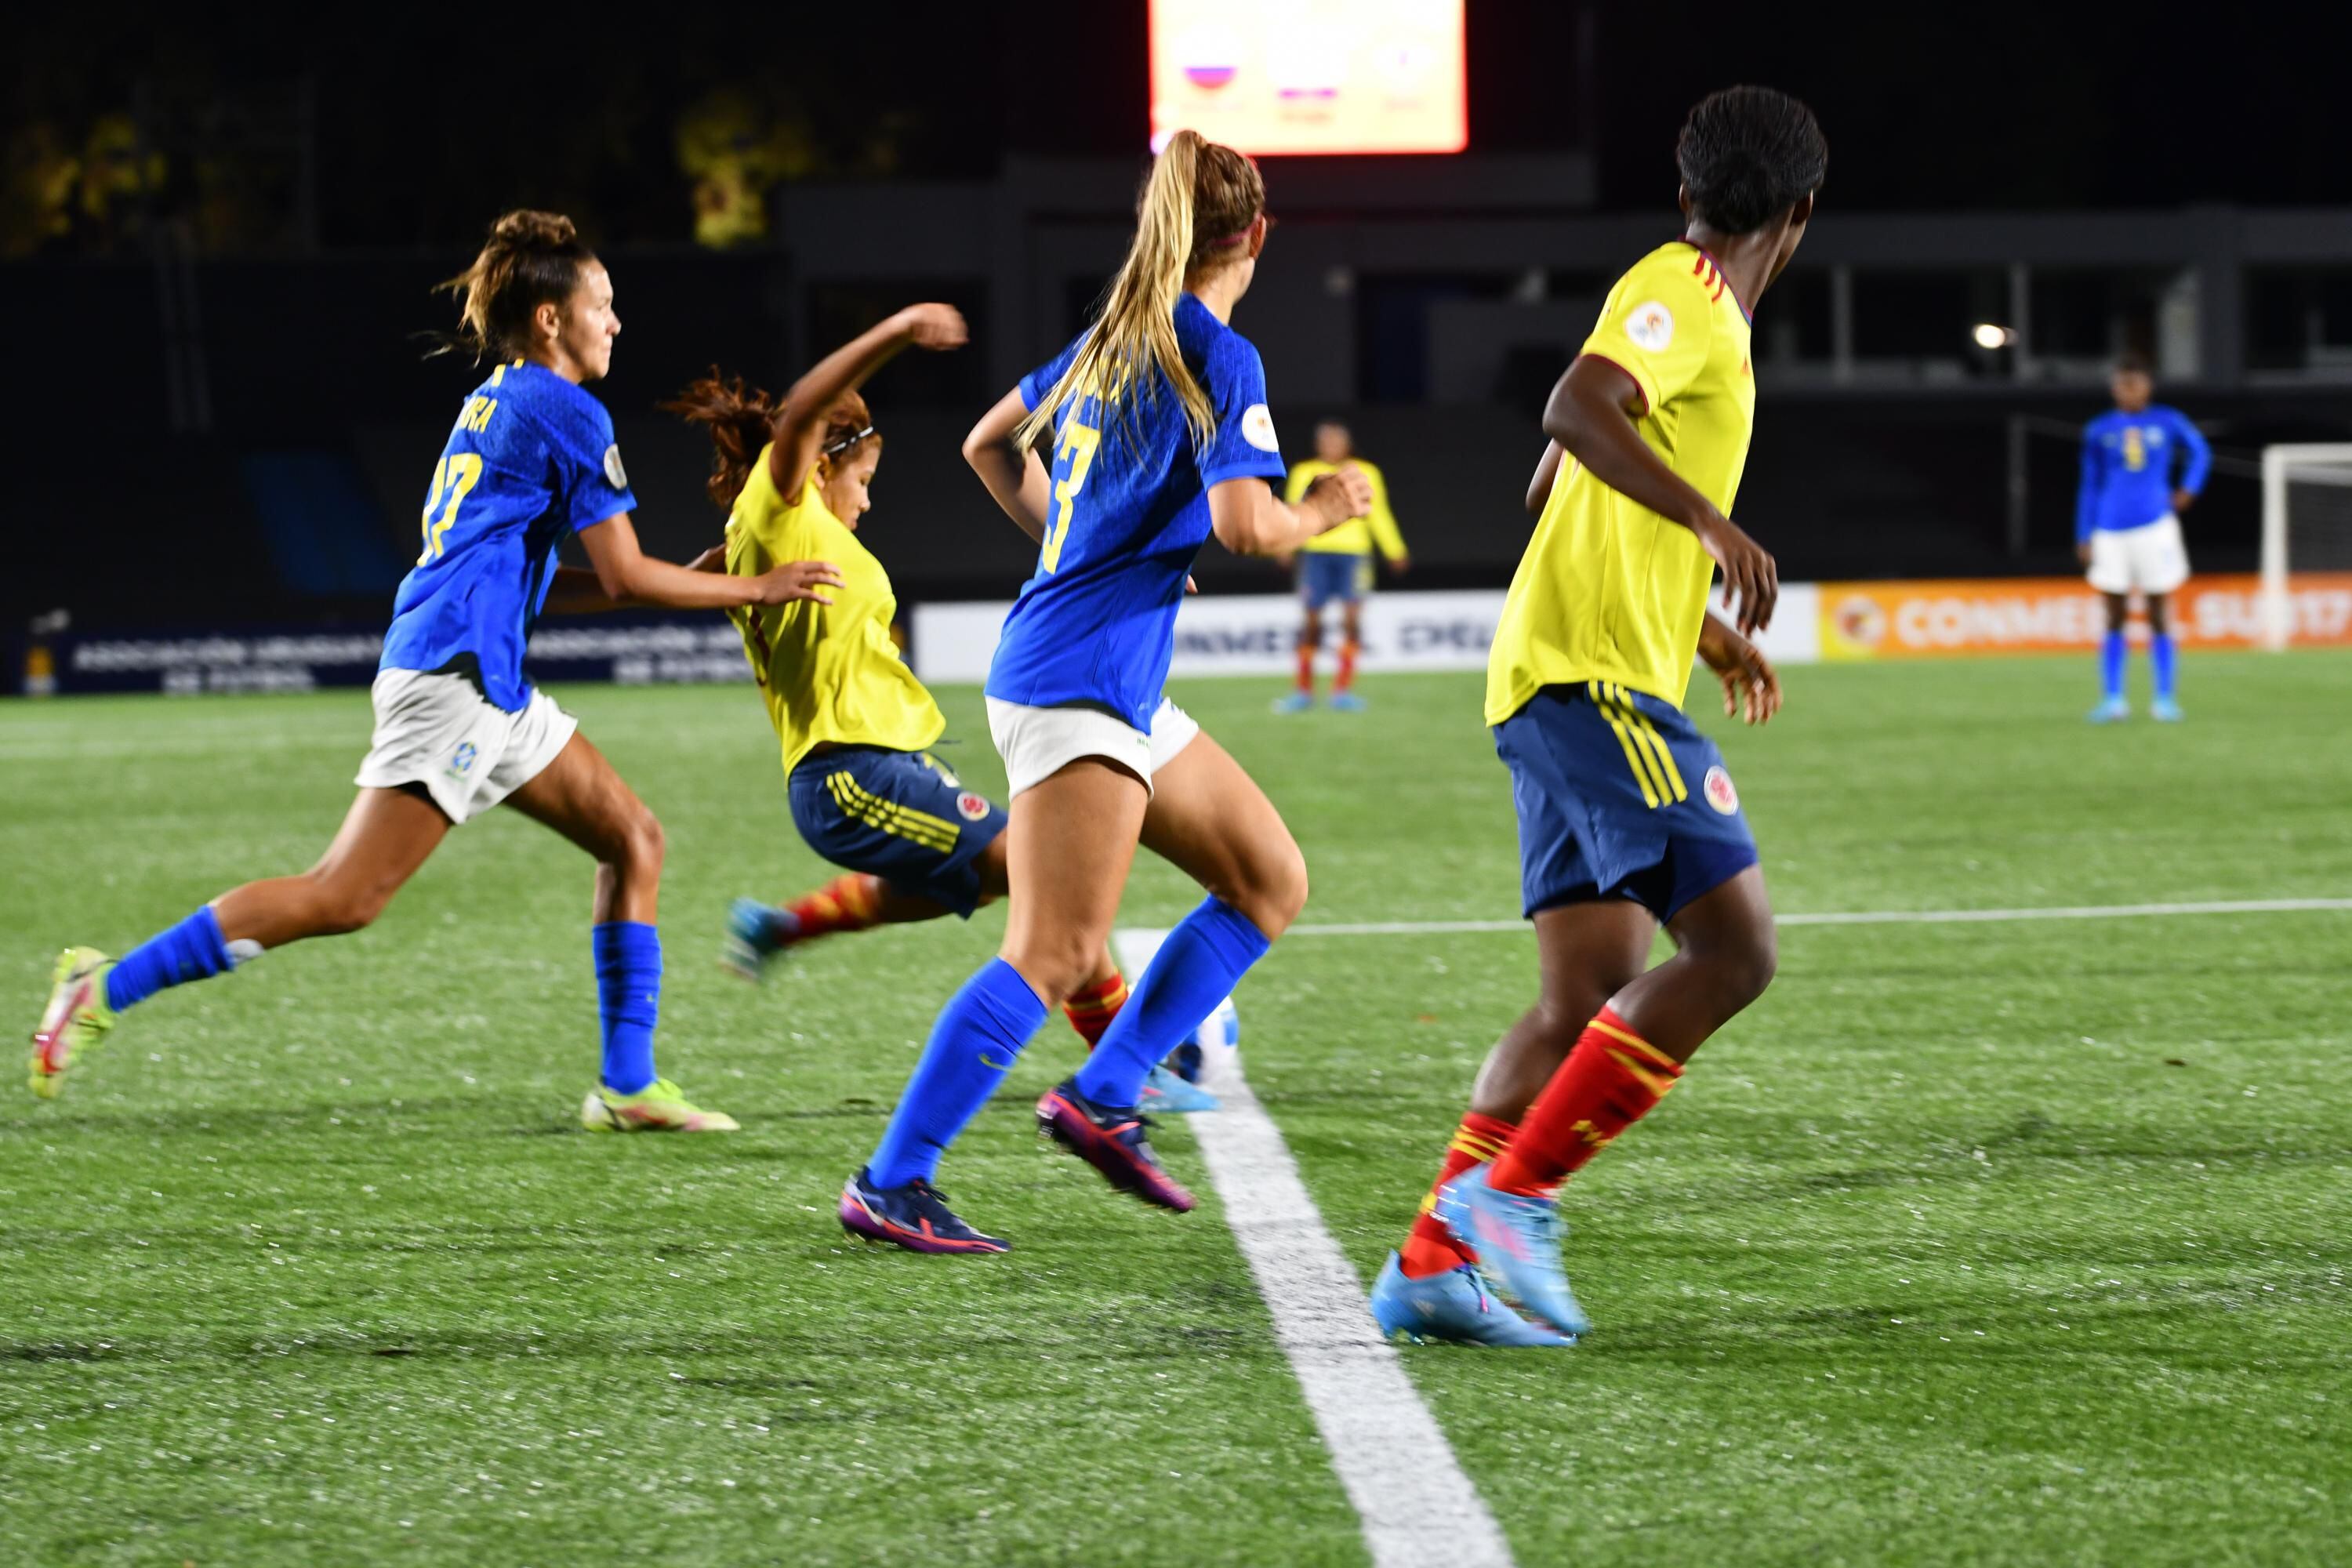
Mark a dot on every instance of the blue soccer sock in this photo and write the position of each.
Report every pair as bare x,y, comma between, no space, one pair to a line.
979,1036
2112,654
628,1000
193,950
2162,660
1196,968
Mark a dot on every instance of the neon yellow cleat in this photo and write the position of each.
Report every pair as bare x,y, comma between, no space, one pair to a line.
659,1107
77,1019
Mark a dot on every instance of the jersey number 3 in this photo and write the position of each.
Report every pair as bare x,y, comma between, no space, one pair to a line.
1078,444
454,476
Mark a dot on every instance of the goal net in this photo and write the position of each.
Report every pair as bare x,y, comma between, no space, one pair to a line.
2307,526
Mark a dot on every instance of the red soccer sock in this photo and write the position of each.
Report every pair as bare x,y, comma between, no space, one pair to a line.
848,902
1307,667
1430,1248
1610,1081
1346,676
1091,1010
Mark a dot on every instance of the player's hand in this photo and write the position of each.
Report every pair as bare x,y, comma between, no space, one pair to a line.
1337,496
711,560
1191,586
1751,687
1751,575
1401,565
934,327
2083,552
794,580
2182,501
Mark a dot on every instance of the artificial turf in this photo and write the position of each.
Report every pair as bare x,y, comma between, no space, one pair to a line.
2006,1242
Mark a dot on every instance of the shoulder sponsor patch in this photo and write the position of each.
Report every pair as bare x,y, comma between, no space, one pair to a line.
613,470
1650,325
1258,427
1719,793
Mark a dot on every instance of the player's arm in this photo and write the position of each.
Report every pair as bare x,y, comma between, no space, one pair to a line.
1012,474
1385,533
1751,687
800,423
2199,463
624,574
1547,473
1249,519
1591,415
2086,495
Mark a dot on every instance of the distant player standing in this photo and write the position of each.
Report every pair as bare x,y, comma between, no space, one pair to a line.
2128,526
1337,567
1627,817
458,728
1155,434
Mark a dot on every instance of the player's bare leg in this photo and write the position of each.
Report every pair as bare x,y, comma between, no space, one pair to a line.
582,797
1210,820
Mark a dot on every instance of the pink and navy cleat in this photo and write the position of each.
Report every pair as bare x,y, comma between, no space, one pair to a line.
1110,1139
915,1216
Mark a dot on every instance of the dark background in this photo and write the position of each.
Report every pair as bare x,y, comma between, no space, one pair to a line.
325,172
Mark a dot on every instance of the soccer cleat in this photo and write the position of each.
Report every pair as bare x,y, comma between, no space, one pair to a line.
659,1107
915,1216
2113,711
1110,1139
77,1018
1169,1095
1294,702
1454,1307
2165,710
1517,1241
1345,702
756,932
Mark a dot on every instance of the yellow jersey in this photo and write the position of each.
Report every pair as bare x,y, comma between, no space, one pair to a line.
1358,534
829,672
1609,590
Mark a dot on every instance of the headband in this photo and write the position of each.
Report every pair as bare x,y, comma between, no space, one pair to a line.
833,448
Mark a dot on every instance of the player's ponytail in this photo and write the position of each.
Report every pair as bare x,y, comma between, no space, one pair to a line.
742,420
530,259
1198,201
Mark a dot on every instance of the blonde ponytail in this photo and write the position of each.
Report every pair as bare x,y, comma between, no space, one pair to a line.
1199,196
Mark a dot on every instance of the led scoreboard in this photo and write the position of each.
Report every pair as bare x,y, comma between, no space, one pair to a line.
1310,76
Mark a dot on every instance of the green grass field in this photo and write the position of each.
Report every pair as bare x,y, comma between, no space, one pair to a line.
1981,1243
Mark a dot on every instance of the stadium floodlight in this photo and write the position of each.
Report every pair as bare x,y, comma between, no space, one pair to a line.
1990,335
2306,524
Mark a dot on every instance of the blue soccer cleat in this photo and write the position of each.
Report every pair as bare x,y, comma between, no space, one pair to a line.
2113,711
915,1216
1345,702
2165,710
1517,1241
756,932
1294,702
1164,1093
1454,1307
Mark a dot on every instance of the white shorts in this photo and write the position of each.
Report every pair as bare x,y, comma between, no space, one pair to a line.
1038,742
439,731
2149,558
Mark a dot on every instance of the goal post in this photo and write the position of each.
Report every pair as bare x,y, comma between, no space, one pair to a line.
2306,524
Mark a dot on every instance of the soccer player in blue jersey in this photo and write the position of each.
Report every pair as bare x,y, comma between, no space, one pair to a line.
1156,435
2128,526
458,729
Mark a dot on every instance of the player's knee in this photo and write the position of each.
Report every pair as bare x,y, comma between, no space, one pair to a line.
640,844
2155,614
1271,889
339,905
1744,964
1055,965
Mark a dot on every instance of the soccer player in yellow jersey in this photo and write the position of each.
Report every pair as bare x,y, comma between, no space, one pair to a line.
1627,817
854,722
1337,567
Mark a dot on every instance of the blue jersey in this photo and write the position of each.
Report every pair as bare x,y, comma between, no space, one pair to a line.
529,461
1096,625
2127,473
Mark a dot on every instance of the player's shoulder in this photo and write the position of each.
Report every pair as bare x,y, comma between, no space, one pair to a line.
1677,271
1211,343
2100,423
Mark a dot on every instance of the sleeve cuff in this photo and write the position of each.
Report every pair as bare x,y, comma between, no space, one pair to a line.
1268,468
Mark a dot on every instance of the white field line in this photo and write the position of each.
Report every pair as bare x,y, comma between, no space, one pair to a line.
1418,1508
1879,917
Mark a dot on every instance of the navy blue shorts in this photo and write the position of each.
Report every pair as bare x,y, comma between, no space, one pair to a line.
1325,575
899,816
1619,797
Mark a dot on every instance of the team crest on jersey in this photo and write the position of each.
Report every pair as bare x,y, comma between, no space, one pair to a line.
1651,326
613,470
1258,427
970,806
1719,793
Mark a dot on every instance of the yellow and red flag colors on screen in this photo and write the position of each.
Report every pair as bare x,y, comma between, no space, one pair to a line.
2038,615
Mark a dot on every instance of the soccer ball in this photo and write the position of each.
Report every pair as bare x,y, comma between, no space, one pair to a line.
1206,1049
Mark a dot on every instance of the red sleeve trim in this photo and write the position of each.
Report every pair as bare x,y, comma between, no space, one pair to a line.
1636,380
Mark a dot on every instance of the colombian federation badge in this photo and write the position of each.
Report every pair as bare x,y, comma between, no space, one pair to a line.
1719,790
972,807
